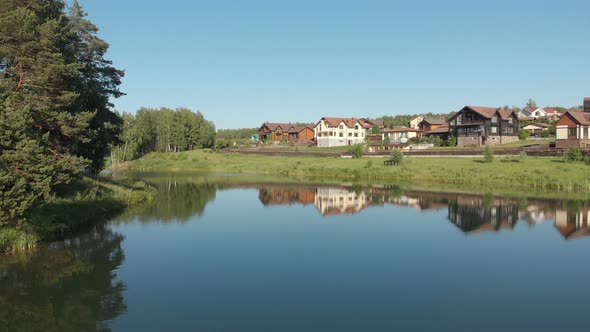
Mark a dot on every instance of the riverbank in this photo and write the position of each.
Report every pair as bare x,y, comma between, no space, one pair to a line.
536,173
75,208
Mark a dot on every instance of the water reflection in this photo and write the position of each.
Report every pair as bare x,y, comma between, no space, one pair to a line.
184,197
67,286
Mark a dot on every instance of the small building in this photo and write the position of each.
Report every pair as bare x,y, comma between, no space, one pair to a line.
301,134
572,129
536,128
401,134
480,126
428,124
537,113
331,131
443,132
270,131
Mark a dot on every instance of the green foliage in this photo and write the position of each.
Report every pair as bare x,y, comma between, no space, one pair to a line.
587,160
375,130
488,154
55,117
396,156
235,134
356,151
452,141
573,155
369,164
162,130
523,134
522,156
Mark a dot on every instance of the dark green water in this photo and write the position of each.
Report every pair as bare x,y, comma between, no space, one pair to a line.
214,255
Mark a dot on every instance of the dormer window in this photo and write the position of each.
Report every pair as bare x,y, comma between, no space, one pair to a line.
459,119
494,119
356,127
510,120
341,126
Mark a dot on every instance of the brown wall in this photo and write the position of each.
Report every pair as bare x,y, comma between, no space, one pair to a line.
566,120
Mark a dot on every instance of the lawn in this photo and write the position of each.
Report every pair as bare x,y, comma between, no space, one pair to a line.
541,173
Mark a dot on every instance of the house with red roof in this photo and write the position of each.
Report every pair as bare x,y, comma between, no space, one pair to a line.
536,113
480,126
536,128
573,128
332,131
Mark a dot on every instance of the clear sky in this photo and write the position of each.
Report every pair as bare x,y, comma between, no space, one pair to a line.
245,62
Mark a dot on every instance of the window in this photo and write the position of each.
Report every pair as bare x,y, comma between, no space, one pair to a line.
349,134
341,126
341,135
510,120
494,130
356,134
510,130
494,119
356,127
572,132
459,119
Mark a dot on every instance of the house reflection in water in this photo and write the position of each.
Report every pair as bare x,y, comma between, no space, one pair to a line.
334,201
573,223
473,214
470,213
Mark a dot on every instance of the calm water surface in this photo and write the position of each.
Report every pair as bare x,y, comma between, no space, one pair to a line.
212,255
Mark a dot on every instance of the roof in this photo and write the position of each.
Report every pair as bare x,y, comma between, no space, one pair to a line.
544,125
273,126
487,112
505,114
299,129
349,122
435,121
581,117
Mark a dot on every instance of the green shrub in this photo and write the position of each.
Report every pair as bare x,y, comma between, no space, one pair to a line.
452,141
356,151
573,155
488,154
369,164
587,160
522,156
396,156
523,134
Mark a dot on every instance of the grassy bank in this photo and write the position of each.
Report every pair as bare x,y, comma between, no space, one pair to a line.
538,173
75,208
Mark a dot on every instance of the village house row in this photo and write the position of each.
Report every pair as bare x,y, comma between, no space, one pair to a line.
472,126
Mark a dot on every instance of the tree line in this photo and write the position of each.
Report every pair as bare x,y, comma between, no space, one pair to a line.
162,130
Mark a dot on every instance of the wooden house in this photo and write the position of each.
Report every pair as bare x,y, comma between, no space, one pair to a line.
428,124
270,131
480,126
301,134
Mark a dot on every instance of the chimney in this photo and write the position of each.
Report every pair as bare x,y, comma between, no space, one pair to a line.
587,104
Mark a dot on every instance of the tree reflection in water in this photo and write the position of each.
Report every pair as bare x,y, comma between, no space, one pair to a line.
69,285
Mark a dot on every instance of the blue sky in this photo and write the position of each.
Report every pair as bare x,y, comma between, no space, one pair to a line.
245,62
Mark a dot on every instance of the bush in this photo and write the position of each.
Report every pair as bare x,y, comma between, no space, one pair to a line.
587,160
488,154
522,156
452,141
523,134
396,156
356,151
573,155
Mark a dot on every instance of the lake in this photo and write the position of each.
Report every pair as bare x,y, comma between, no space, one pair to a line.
222,253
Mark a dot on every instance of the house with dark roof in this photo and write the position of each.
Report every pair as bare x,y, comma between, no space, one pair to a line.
572,129
331,131
270,131
480,126
427,124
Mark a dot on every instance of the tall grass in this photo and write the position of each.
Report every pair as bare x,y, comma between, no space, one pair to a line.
74,208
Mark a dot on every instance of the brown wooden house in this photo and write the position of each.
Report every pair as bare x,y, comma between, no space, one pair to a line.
479,126
427,124
301,134
270,131
572,129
